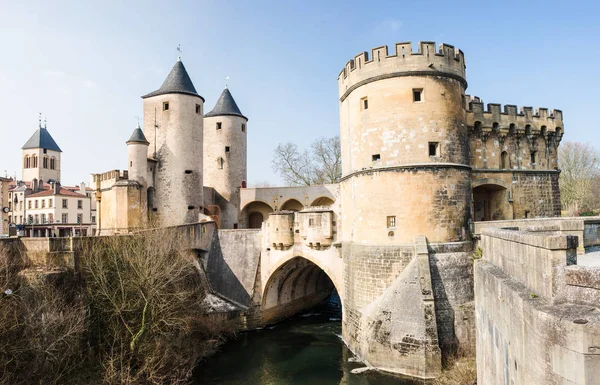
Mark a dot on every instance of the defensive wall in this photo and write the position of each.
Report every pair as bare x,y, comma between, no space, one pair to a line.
537,310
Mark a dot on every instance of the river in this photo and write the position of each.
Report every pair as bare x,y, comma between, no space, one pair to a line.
304,350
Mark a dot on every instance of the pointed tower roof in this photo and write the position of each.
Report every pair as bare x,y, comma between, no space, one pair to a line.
138,136
177,82
226,105
42,139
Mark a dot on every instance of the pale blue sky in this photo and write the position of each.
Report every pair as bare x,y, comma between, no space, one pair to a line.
85,64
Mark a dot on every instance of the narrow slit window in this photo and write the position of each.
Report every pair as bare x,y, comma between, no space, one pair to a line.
165,106
243,127
219,125
376,157
198,109
417,94
364,104
434,149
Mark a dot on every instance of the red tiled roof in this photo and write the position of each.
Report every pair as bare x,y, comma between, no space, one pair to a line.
63,192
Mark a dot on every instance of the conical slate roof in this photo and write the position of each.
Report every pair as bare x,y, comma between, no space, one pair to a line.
226,106
42,139
177,82
138,136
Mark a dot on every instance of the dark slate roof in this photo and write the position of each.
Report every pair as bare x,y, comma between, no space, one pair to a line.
226,106
177,82
138,136
42,139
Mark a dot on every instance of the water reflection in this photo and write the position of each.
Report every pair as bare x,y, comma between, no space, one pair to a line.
301,351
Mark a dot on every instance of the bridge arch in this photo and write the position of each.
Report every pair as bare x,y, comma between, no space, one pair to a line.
295,285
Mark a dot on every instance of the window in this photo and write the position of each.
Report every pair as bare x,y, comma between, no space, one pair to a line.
198,109
219,125
43,203
79,204
533,157
51,218
45,162
220,163
21,219
52,163
391,221
29,204
64,203
65,218
9,206
311,222
433,149
227,148
243,127
21,205
50,203
35,161
37,219
45,150
93,219
165,106
364,104
26,162
417,94
503,160
43,218
79,219
9,219
36,203
376,157
30,220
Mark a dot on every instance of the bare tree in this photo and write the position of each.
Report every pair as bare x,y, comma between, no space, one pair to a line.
322,164
580,166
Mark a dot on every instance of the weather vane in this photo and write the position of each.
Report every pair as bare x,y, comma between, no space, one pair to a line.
40,119
45,123
180,51
138,121
226,79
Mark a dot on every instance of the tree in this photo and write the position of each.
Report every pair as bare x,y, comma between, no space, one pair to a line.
322,164
580,169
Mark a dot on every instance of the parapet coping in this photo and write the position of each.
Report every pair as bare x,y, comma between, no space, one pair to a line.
545,241
409,166
518,170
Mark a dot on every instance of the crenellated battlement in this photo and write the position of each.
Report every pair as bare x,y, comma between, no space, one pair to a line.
512,119
427,60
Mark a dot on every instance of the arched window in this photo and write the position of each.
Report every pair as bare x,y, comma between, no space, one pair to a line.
503,160
35,163
45,162
52,163
26,162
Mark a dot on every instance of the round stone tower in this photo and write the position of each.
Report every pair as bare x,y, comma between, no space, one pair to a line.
405,199
173,123
137,155
225,156
404,146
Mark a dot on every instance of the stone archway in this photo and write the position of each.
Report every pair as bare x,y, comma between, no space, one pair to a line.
490,203
293,205
255,213
295,286
323,201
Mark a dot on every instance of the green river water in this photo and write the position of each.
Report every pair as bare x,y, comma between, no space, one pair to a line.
301,351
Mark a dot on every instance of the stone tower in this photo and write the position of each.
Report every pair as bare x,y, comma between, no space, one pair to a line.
225,156
41,157
405,180
137,156
173,121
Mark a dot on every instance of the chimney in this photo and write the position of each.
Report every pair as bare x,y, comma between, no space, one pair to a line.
56,187
34,185
82,188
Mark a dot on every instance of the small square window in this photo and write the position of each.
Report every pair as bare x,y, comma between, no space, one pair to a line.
364,104
219,125
45,150
434,149
391,221
243,127
227,148
417,94
165,106
376,157
198,109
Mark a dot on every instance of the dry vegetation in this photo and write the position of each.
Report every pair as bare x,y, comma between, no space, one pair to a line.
135,317
462,371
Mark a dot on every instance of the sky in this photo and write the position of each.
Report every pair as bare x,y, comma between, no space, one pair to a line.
85,64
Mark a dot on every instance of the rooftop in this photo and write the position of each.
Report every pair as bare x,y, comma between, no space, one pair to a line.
42,139
177,82
226,105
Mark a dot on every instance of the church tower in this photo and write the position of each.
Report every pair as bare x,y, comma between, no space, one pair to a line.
225,156
173,124
41,157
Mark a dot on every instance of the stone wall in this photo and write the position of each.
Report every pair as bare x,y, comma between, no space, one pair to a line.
534,320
